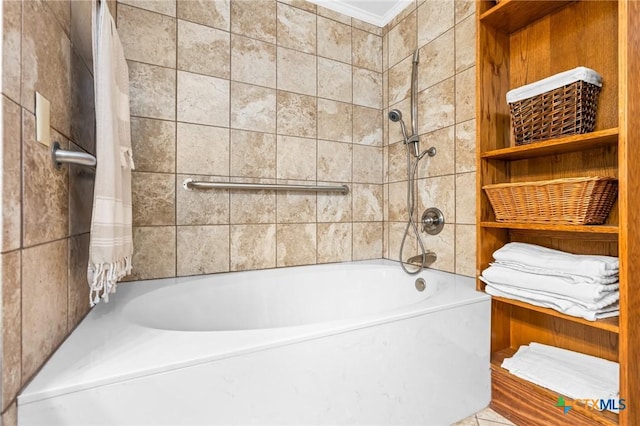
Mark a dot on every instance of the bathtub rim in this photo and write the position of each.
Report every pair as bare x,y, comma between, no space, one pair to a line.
46,384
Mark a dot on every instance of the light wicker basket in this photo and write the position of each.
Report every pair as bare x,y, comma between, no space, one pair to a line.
569,201
567,109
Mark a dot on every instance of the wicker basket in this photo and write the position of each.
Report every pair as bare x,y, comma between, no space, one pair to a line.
571,201
566,110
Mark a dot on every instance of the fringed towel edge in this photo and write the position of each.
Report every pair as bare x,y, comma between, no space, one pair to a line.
104,277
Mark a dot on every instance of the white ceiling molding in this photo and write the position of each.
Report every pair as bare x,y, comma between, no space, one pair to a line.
376,12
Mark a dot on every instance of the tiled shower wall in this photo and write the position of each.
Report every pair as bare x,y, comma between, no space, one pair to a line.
444,33
252,91
45,212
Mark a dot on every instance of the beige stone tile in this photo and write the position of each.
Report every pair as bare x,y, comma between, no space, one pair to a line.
367,202
365,26
400,81
11,48
44,318
296,72
489,415
297,114
464,8
437,192
11,327
397,202
81,30
398,162
385,165
255,19
465,44
202,150
385,240
253,108
367,88
202,99
466,198
45,191
367,240
331,14
367,164
385,89
469,421
154,144
334,242
296,28
443,163
466,95
335,120
203,50
153,197
11,176
10,416
201,207
294,206
152,91
166,7
81,184
147,36
367,50
334,80
385,52
402,39
202,249
333,207
296,158
334,161
253,247
443,245
408,10
62,11
78,286
253,154
437,61
396,232
367,126
296,244
434,18
253,61
212,13
334,40
466,250
466,146
42,35
155,253
82,103
436,107
301,4
253,206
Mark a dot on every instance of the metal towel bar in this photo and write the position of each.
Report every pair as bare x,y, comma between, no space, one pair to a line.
59,156
190,184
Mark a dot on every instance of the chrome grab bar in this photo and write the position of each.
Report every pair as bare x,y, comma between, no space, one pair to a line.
190,185
59,156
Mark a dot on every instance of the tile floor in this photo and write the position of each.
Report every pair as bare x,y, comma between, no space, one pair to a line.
486,417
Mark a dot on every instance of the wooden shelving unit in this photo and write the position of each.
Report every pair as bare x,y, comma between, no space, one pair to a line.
519,42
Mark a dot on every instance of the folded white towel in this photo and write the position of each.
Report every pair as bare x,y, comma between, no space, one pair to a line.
569,278
569,373
556,260
567,307
584,292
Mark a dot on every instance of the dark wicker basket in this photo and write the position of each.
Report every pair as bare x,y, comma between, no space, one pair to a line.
569,201
567,110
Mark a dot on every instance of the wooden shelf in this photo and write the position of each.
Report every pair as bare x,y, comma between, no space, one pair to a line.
511,15
607,324
574,143
517,392
587,229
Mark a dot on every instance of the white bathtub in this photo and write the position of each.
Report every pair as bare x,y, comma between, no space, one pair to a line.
349,343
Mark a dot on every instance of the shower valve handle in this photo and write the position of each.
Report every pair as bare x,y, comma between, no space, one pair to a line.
432,221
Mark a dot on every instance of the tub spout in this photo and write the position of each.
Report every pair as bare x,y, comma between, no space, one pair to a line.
429,258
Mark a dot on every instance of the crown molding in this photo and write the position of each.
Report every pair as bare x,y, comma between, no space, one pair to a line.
361,13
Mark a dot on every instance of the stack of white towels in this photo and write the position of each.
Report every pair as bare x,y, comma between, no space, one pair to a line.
583,286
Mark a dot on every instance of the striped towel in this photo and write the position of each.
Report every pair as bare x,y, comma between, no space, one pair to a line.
111,245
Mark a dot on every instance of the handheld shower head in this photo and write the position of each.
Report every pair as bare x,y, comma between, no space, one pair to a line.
395,116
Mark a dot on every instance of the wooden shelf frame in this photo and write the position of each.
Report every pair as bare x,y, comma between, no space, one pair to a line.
586,229
511,15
